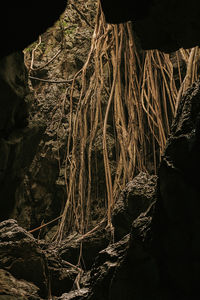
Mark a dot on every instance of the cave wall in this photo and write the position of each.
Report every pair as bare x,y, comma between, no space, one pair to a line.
19,138
163,25
176,221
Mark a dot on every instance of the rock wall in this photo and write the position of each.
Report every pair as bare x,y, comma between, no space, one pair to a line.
160,257
177,219
18,139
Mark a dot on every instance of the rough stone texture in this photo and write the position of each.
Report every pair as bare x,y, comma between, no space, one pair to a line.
158,265
103,270
11,288
33,268
37,266
61,273
162,257
166,25
177,222
18,139
137,277
75,295
21,256
90,245
33,262
128,269
135,198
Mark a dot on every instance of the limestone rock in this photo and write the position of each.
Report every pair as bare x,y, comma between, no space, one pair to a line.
21,256
137,277
18,140
91,245
104,268
134,199
12,288
75,295
177,226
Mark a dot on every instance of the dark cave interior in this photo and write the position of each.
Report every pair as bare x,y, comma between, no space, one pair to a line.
156,256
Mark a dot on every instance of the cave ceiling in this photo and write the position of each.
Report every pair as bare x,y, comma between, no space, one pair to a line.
166,25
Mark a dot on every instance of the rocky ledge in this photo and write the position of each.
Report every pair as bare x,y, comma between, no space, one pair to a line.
81,267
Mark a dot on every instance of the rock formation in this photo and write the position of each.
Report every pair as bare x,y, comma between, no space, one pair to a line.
41,269
18,139
159,258
177,216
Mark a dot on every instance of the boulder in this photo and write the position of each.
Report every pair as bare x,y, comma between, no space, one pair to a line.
90,246
75,295
104,268
128,269
134,199
21,256
137,276
15,289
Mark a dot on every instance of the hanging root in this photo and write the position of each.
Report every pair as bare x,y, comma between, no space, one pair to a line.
130,95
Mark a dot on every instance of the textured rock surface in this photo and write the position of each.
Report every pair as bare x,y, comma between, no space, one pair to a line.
18,139
21,256
91,245
12,288
178,213
137,276
75,295
162,258
39,192
104,268
128,269
33,269
135,198
62,275
159,262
